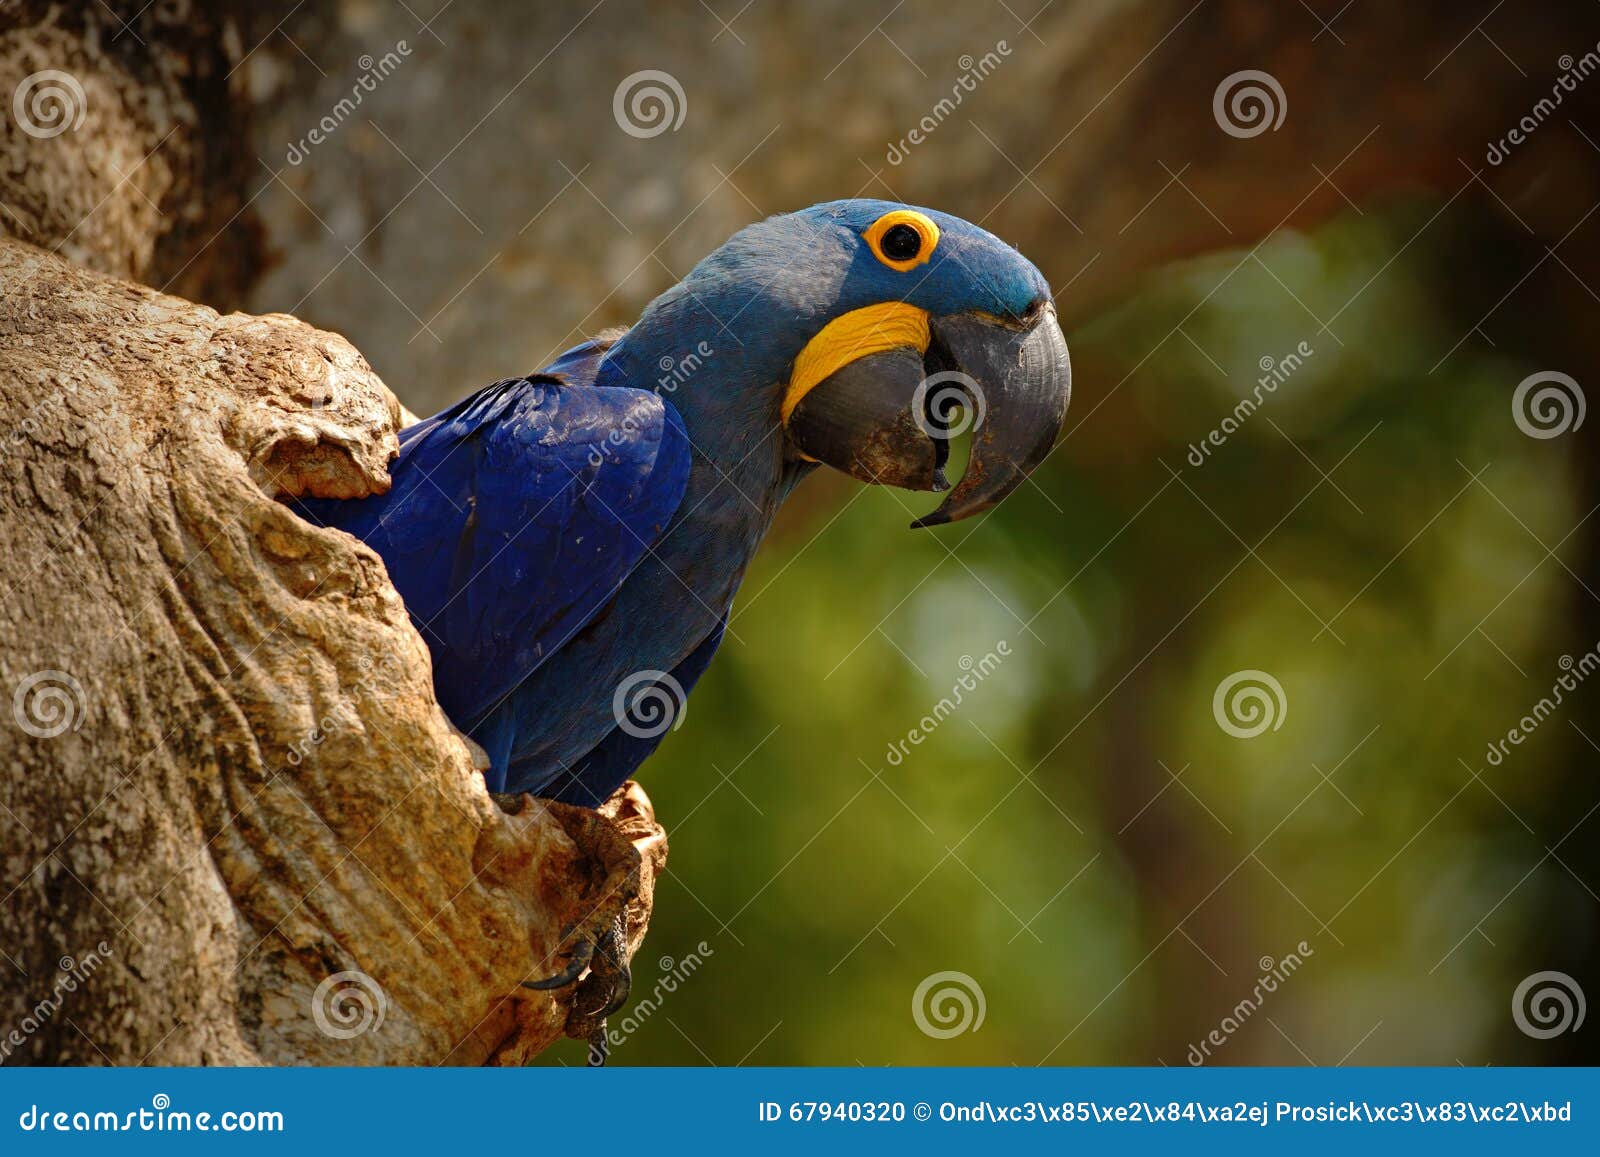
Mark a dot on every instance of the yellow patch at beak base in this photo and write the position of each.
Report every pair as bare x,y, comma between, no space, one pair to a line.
870,330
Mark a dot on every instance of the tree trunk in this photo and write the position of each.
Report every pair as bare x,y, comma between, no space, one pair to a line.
238,826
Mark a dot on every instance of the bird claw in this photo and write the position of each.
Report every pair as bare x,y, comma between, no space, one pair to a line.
610,972
602,992
582,953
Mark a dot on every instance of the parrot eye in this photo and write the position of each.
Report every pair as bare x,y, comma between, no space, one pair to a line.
901,243
902,239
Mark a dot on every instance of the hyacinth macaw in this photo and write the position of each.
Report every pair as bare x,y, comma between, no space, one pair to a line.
569,543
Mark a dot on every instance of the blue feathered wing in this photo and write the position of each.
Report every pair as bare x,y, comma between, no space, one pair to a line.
514,517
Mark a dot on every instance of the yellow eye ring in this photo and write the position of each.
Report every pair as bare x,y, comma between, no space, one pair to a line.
898,255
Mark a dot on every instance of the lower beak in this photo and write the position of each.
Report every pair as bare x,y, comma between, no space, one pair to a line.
889,417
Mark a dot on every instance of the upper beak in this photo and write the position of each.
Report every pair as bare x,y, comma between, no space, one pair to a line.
889,416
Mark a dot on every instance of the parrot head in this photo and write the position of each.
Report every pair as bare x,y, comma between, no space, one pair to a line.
872,333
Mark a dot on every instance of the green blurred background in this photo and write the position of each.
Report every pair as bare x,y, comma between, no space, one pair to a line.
1356,539
1080,838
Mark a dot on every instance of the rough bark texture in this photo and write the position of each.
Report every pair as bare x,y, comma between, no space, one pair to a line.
224,760
125,142
235,826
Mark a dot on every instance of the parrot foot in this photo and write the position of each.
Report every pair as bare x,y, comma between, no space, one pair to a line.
509,802
602,992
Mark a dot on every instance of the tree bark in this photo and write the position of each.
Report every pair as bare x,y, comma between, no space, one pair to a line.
235,825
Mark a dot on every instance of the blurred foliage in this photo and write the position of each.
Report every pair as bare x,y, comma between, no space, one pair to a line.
1080,836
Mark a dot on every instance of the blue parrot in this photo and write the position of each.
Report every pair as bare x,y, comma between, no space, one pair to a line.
569,543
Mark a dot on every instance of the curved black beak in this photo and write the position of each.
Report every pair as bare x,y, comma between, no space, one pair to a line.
889,417
1019,381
